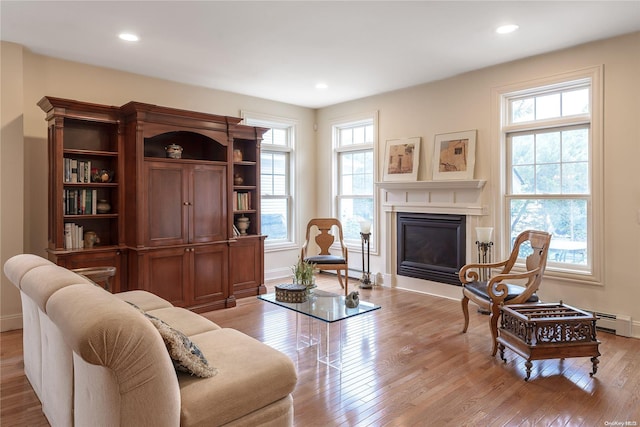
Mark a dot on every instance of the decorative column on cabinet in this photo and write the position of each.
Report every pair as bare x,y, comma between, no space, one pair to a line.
86,185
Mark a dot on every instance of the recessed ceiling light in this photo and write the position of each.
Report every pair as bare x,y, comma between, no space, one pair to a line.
506,29
321,86
129,37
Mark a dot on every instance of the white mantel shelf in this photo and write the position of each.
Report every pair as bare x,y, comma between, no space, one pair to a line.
460,197
433,185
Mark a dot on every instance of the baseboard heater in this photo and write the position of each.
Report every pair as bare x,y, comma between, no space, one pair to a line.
612,323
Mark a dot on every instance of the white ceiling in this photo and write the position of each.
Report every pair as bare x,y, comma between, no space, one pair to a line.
280,50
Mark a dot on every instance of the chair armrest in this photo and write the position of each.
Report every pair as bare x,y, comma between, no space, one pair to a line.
497,290
467,276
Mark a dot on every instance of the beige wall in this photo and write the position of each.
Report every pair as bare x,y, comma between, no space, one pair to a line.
465,102
27,77
460,103
11,175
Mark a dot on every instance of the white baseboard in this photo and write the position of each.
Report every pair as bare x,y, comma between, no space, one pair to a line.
11,322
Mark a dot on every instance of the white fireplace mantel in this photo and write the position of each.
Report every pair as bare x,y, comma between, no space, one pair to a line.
450,197
436,197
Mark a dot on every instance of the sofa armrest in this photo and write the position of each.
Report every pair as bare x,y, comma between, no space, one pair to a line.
105,331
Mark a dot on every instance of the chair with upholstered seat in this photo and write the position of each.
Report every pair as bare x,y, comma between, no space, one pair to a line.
325,232
500,289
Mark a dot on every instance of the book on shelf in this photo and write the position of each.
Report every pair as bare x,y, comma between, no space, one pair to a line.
241,201
80,201
73,236
76,171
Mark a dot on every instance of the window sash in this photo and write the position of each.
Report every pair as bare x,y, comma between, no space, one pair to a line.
571,250
277,188
354,186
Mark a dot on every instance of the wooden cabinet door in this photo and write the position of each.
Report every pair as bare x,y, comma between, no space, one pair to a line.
210,281
208,204
247,266
168,274
167,205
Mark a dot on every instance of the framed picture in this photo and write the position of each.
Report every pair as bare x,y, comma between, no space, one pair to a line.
401,159
454,155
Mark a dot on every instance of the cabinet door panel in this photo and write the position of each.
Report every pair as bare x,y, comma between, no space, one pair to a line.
210,279
208,204
168,274
246,266
167,211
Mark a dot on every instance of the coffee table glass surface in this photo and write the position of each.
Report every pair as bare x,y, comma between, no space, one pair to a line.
322,305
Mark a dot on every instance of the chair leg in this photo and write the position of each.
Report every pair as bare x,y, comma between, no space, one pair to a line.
493,325
340,279
465,311
346,283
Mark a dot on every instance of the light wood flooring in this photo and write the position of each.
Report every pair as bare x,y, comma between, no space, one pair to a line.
408,365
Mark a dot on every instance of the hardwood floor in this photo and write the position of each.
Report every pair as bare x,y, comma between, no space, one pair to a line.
408,365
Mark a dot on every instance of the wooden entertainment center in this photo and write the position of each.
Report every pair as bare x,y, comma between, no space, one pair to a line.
165,221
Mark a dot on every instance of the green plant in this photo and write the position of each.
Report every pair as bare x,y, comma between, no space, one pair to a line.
303,272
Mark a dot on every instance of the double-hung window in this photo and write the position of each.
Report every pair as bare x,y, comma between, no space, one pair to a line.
276,187
552,174
353,143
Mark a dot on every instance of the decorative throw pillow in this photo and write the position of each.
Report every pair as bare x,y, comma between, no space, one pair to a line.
186,356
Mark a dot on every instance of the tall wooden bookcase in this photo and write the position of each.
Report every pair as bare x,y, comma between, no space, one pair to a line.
85,142
172,220
247,259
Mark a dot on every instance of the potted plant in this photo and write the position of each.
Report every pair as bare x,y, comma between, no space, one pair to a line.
303,273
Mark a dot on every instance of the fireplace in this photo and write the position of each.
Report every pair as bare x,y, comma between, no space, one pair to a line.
431,246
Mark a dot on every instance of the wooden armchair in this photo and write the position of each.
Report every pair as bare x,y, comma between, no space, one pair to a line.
497,291
319,230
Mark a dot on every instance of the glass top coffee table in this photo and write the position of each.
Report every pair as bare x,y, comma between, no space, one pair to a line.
322,307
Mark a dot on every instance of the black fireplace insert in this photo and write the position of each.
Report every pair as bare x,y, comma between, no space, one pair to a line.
431,246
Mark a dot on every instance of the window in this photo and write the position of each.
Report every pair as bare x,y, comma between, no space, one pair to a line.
276,159
354,189
551,166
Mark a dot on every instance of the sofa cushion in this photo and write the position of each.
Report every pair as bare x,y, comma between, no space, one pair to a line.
143,299
251,375
186,356
104,331
186,321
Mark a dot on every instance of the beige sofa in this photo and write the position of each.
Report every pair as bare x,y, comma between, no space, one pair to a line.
93,359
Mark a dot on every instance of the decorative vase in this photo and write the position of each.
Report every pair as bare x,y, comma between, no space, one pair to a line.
242,224
309,284
103,206
174,151
237,155
237,179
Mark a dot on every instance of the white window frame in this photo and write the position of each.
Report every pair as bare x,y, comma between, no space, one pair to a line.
276,122
336,126
501,129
